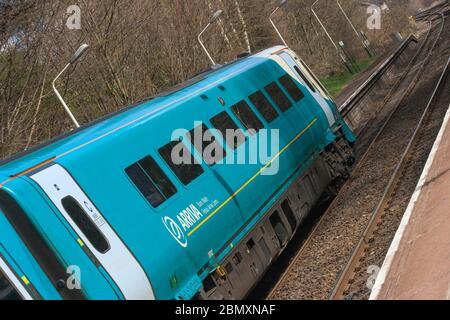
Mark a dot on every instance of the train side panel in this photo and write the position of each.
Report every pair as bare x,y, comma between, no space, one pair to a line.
187,243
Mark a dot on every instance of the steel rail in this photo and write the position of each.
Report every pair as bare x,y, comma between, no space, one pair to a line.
349,271
287,272
359,93
411,67
424,14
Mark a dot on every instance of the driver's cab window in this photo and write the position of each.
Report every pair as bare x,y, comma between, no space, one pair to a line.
311,80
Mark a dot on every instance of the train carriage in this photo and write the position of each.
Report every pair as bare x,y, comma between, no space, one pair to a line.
105,212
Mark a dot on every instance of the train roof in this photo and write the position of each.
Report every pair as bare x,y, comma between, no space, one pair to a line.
96,130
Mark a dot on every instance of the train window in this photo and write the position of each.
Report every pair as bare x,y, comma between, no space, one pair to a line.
223,122
247,116
286,207
145,185
186,169
203,140
85,224
304,78
264,106
294,91
151,181
278,96
156,174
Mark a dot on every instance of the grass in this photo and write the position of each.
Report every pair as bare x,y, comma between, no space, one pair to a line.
336,83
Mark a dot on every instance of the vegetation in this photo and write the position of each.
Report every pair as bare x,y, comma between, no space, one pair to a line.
140,47
336,82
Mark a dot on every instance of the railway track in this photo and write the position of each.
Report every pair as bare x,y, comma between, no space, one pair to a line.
371,249
325,253
400,89
424,14
362,107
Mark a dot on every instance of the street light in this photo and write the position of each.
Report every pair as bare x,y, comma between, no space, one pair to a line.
329,36
214,18
364,43
77,55
280,4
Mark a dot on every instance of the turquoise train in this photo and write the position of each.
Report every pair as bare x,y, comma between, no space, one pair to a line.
106,211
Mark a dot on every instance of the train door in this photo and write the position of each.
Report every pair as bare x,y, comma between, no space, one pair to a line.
308,83
95,232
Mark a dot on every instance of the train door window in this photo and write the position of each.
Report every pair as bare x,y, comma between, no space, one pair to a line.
247,116
291,87
224,123
286,207
186,171
264,106
155,173
203,140
279,228
278,96
305,79
151,181
85,224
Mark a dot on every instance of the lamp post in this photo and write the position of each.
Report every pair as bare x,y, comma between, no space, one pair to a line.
77,55
344,60
280,4
302,63
364,43
214,18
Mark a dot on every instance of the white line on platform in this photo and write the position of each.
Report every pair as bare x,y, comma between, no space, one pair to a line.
382,276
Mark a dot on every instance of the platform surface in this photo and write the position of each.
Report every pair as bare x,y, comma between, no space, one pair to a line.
417,266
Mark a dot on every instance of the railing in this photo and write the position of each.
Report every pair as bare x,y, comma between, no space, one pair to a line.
348,106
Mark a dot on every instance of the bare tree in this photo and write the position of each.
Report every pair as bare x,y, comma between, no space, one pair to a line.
141,47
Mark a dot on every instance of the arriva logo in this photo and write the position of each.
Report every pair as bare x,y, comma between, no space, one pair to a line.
175,230
187,220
